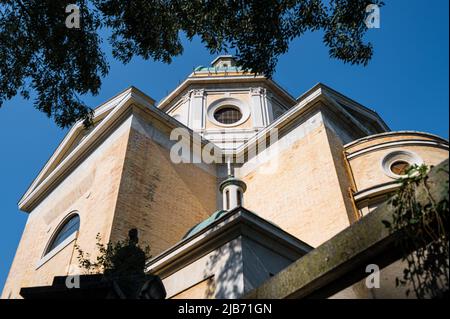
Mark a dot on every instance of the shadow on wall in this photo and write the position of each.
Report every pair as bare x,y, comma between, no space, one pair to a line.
226,266
194,182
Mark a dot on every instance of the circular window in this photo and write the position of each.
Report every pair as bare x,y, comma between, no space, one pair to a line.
227,115
397,163
400,167
228,112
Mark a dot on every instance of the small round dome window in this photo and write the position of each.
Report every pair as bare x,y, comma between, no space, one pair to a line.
396,164
400,167
227,114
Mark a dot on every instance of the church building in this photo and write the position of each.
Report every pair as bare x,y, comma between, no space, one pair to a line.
267,178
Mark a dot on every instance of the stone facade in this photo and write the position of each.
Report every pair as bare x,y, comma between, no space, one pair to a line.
328,167
311,206
227,258
91,190
159,198
373,179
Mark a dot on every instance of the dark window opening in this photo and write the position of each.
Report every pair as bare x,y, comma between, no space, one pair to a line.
400,167
70,226
239,198
228,115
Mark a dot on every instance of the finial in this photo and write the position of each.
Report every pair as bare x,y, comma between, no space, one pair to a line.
232,190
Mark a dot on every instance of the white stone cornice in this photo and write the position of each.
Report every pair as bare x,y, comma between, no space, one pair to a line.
257,90
348,102
408,142
228,226
115,109
60,161
376,190
399,133
245,78
198,92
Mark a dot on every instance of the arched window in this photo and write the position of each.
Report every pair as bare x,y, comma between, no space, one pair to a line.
70,226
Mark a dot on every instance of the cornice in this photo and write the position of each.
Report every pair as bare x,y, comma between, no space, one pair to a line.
245,78
409,142
348,102
131,101
394,133
107,114
376,190
112,111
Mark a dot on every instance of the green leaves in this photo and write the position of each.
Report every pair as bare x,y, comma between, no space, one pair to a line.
345,29
143,28
122,257
425,236
39,53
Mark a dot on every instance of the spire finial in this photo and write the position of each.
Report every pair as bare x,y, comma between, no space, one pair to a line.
232,190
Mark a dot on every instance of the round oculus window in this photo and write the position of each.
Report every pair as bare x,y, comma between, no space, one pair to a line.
400,167
227,115
396,164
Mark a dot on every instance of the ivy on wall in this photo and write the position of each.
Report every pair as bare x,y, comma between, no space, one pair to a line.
424,234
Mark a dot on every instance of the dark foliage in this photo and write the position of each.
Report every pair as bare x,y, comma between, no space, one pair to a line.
38,52
425,236
122,262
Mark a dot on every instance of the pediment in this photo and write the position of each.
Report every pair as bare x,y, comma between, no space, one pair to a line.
366,119
79,134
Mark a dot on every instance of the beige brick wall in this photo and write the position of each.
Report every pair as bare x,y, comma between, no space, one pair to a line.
304,196
91,189
367,168
161,199
128,181
344,175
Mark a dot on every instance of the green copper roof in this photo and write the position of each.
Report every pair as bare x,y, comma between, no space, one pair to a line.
202,68
211,219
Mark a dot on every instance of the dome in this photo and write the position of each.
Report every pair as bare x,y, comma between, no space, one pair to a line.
211,219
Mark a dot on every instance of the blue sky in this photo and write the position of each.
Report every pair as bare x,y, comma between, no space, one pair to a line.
406,83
